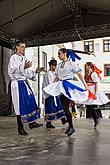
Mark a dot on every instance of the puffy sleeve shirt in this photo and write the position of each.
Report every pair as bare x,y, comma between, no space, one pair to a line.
94,77
67,70
16,69
48,78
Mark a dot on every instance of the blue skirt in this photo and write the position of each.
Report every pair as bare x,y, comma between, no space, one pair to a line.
29,110
53,111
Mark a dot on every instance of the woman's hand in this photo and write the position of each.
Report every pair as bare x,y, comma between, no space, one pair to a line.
56,79
83,81
86,88
95,97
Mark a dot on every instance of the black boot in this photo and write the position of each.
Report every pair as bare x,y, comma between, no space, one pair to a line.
68,129
34,125
49,125
96,123
21,131
71,131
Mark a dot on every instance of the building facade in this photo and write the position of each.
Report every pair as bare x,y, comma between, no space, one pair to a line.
40,56
100,56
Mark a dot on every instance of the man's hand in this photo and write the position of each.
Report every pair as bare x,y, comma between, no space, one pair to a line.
27,64
38,69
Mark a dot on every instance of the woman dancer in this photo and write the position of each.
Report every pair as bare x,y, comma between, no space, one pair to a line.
65,86
92,80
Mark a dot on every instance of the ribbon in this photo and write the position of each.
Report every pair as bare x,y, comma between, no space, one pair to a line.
72,55
98,71
68,85
91,95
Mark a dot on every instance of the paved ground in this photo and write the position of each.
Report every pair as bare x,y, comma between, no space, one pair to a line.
52,147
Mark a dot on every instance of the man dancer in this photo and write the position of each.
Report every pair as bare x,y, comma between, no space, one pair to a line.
53,106
23,98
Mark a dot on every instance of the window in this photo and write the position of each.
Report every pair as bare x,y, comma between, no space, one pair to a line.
106,69
44,60
106,45
89,46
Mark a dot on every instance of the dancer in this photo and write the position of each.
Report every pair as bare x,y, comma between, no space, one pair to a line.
65,86
53,106
98,97
23,98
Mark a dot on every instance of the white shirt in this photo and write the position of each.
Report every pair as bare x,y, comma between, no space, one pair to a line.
48,79
16,69
95,77
67,70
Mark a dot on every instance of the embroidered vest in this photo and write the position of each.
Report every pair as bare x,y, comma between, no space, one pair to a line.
88,78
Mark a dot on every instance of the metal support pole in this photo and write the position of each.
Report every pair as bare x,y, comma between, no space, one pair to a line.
39,77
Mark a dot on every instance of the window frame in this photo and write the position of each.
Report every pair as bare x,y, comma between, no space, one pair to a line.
104,45
88,44
104,69
44,53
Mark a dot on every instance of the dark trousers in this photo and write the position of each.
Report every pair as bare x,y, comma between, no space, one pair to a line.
93,111
99,112
65,104
73,108
19,122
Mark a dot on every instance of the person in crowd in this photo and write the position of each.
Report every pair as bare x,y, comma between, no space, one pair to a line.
64,85
97,96
53,106
19,70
